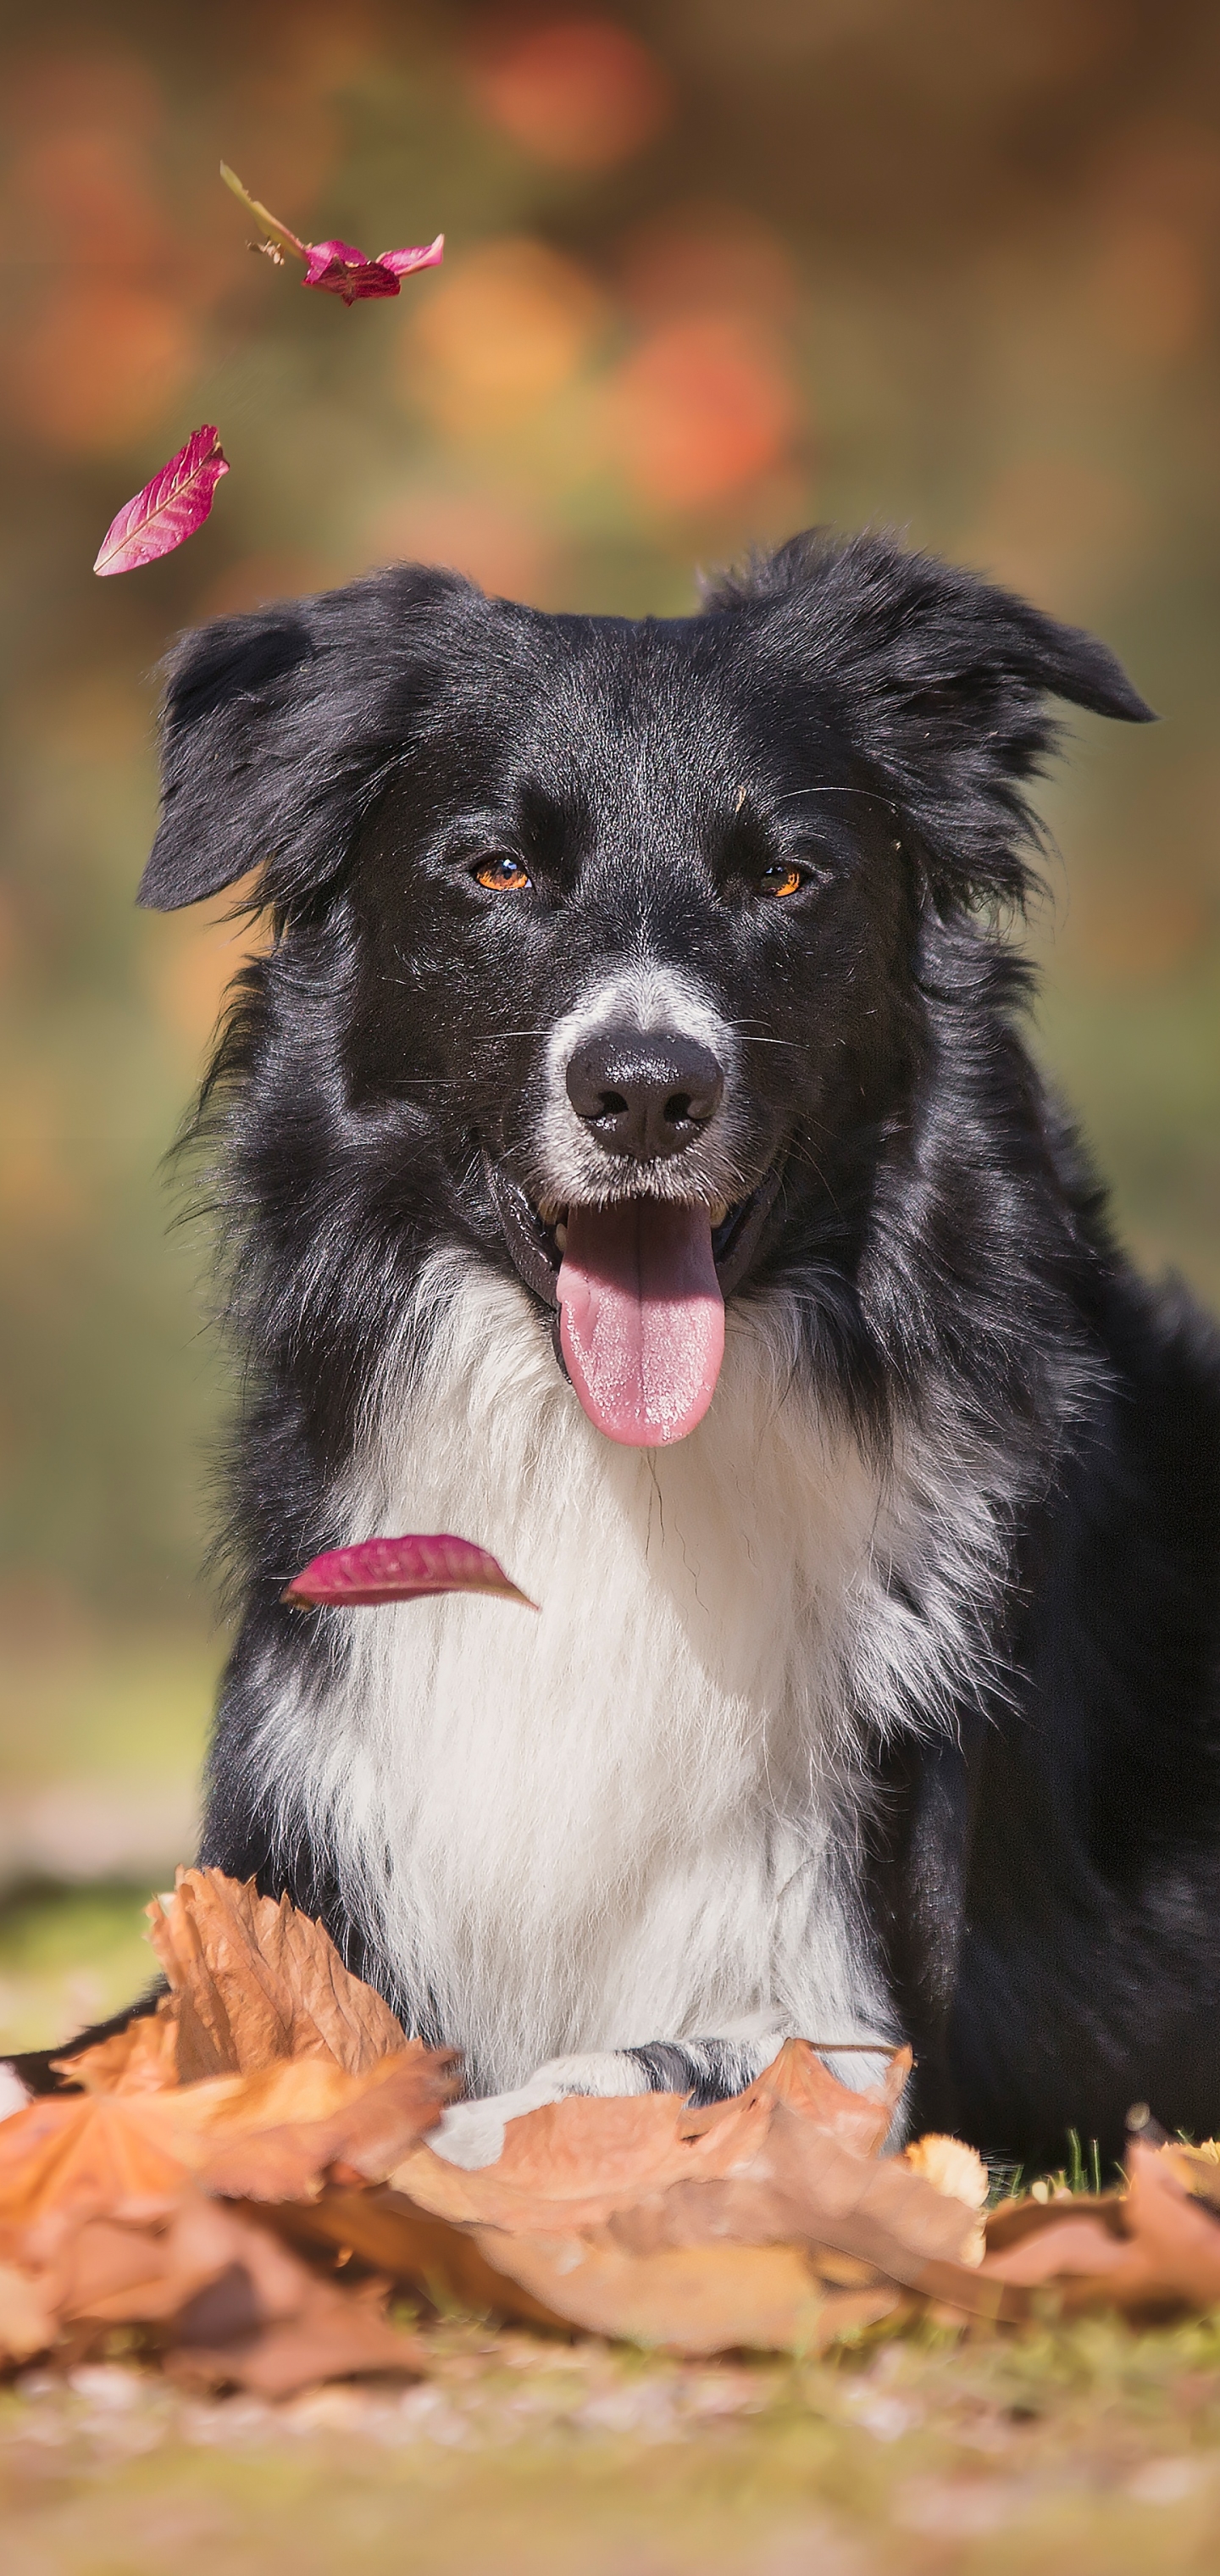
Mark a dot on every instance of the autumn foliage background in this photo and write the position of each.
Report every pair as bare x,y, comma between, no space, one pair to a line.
712,273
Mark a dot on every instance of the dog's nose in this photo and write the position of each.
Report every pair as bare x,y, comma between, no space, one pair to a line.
644,1092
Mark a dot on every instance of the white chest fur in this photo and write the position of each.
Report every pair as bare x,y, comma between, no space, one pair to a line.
634,1816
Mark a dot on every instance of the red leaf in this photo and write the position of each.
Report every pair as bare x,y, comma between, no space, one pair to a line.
338,268
402,1569
405,262
335,267
168,510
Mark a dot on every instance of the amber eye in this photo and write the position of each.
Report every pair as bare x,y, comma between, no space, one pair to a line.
780,881
502,876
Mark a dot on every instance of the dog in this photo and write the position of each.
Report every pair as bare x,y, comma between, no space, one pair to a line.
630,1157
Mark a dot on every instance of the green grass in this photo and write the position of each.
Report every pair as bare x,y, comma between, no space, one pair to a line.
68,1957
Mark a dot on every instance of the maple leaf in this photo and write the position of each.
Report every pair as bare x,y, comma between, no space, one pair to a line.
235,2306
143,2058
1149,2250
336,267
767,2220
173,503
413,1568
253,1980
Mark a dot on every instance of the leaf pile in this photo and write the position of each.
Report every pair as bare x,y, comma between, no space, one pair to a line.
241,2178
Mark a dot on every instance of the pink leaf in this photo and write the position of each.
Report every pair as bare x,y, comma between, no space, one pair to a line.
168,510
338,268
405,262
402,1569
335,267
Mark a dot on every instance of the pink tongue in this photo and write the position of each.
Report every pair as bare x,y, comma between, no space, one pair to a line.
641,1318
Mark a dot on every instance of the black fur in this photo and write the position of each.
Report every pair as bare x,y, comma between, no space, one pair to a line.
1044,1874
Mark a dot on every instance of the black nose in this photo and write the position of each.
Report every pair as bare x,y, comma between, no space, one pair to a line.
644,1091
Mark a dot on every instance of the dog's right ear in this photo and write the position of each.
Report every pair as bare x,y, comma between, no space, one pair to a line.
226,715
278,727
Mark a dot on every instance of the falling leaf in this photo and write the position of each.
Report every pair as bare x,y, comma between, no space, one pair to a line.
402,1569
336,267
254,1980
171,506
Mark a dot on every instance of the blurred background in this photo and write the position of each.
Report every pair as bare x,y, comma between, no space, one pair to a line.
713,272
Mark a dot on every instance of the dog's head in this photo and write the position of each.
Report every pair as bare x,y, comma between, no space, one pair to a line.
623,917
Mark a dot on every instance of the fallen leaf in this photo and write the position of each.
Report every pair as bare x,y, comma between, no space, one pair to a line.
143,2058
363,2137
254,1981
66,2159
234,2306
702,2300
270,2135
168,510
638,2216
958,2171
574,2163
413,1568
28,2321
336,267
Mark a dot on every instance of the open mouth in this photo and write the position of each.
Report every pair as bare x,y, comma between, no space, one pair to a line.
640,1286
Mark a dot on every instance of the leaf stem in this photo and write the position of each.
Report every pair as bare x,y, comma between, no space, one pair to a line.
279,232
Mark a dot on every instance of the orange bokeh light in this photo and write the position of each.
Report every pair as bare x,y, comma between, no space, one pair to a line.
582,94
494,545
701,407
502,334
101,363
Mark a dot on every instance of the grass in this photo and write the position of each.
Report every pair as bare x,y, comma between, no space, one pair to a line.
1087,2451
68,1957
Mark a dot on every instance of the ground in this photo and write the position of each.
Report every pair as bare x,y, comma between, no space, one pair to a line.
1091,2450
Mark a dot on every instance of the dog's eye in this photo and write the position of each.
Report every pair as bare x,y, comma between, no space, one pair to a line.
780,880
502,875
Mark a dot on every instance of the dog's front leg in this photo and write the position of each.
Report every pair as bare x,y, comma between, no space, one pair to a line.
704,2070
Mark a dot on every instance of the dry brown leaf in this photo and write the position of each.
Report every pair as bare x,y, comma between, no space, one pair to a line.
691,2299
710,2299
63,2161
639,2217
862,2120
254,1981
232,2304
143,2058
1149,2250
278,2155
28,2320
272,2135
573,2163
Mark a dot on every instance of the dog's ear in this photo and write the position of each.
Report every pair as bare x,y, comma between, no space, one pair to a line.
941,682
277,730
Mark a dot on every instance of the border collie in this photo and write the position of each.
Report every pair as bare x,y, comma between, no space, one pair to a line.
632,1160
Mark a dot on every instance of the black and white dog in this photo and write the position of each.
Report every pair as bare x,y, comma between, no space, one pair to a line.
633,1162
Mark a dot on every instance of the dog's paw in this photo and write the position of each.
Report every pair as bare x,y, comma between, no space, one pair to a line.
472,2133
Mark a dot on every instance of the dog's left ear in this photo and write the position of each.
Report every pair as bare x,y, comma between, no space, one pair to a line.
277,729
942,681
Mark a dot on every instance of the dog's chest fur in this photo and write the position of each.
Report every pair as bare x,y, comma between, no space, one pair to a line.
633,1816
